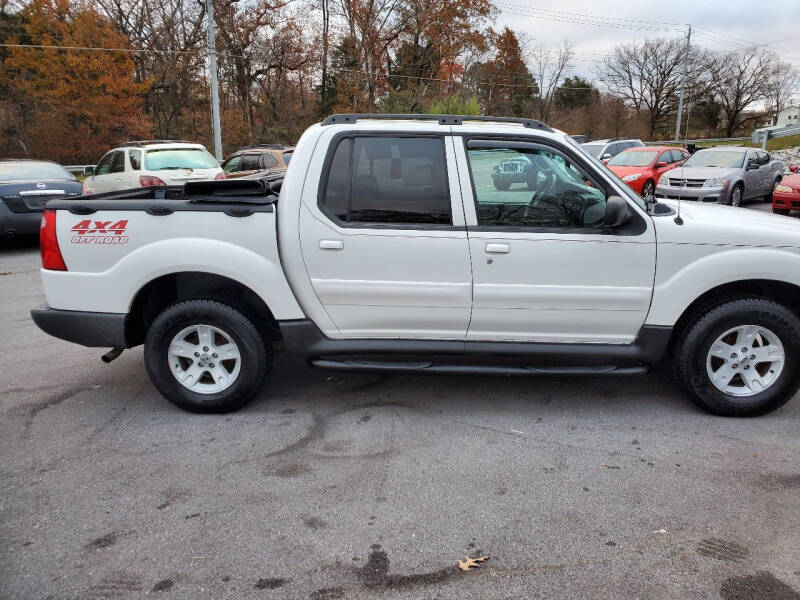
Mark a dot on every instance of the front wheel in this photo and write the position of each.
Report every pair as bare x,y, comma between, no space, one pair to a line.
648,190
205,356
768,197
740,359
736,195
501,184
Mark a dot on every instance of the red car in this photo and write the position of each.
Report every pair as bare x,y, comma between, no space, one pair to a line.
641,167
786,195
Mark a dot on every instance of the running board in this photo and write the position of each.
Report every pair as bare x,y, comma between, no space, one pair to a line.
421,367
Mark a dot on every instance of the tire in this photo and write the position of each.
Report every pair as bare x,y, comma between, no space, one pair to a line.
736,195
781,211
648,189
501,184
768,196
225,388
698,347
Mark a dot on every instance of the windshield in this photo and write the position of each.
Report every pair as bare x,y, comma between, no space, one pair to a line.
32,171
594,149
606,171
633,159
179,158
716,158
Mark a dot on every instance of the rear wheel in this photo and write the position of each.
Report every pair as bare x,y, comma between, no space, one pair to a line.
740,359
205,356
768,197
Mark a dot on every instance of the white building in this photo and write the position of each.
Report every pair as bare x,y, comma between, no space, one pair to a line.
789,116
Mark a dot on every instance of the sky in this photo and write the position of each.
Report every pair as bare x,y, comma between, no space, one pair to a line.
596,26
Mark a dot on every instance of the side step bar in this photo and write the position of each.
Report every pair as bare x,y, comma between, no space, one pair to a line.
421,367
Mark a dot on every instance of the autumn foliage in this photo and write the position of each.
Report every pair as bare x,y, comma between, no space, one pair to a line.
68,105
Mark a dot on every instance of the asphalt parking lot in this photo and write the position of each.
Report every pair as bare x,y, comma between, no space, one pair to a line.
361,486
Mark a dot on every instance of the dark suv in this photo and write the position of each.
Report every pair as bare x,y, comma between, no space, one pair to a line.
254,159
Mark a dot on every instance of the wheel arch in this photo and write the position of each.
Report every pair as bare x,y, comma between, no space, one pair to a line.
161,292
785,293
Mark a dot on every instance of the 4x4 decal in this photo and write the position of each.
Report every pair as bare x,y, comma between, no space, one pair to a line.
100,232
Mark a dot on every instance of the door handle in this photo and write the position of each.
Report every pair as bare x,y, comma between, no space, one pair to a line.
498,248
331,244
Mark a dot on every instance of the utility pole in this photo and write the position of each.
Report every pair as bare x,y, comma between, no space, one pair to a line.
683,84
212,67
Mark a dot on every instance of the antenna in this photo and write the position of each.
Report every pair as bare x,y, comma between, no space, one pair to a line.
678,220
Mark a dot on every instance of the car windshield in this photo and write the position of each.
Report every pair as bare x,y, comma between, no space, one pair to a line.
716,158
32,171
179,158
593,149
633,159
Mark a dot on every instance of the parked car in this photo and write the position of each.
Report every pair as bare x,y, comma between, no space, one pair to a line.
725,174
263,158
786,195
391,252
25,186
607,149
151,162
641,167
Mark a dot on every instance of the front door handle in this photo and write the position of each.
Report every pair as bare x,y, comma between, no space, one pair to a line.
498,248
331,244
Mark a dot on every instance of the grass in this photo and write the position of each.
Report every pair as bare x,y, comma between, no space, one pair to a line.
775,144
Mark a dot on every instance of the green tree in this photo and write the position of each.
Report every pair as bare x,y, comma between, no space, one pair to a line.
455,104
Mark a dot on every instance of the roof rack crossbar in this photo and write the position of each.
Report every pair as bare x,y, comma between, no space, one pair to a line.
442,119
145,142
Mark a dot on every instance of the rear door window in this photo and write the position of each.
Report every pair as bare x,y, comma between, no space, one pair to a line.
389,180
135,156
249,162
269,161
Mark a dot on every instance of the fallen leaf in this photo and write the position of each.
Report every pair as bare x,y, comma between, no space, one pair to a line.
466,565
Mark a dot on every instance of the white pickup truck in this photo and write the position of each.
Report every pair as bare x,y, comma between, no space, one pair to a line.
390,250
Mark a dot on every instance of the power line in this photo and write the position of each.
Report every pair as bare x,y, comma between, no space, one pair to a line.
98,49
588,16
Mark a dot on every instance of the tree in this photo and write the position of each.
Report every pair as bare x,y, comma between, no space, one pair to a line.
92,103
549,66
575,92
455,105
503,84
648,75
741,81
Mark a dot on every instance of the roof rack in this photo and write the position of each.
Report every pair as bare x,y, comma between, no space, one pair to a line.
267,146
442,119
146,142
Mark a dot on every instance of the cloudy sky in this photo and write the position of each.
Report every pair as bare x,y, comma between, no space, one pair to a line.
595,26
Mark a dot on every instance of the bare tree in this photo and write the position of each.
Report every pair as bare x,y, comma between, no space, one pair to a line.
782,85
741,82
648,75
549,66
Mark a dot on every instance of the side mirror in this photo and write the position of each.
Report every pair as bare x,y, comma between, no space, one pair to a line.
617,212
753,164
606,157
661,164
794,168
88,171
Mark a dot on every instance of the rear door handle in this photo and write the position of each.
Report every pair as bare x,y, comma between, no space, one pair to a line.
498,248
331,244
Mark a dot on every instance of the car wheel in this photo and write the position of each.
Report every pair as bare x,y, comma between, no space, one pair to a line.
736,195
740,358
205,357
501,184
781,211
648,190
768,197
